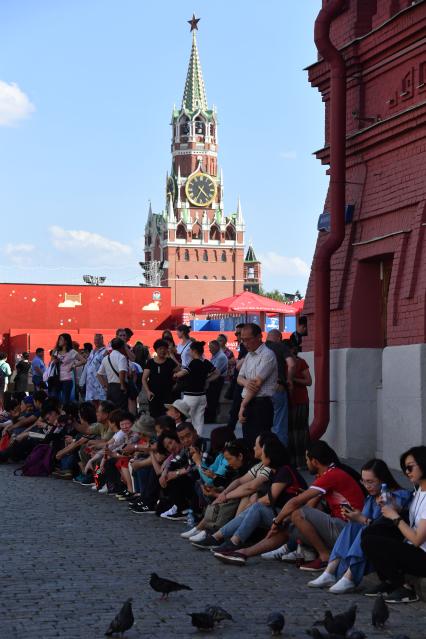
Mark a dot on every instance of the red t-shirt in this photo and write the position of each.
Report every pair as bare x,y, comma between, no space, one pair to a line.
339,488
300,393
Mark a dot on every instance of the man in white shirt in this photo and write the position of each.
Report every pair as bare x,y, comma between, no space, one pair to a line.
258,376
113,373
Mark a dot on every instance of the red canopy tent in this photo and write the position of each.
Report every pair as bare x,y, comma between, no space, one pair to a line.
247,302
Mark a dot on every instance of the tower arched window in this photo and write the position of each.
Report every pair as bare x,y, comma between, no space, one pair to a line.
178,254
186,255
214,232
197,257
204,277
196,232
230,232
181,232
205,256
186,277
223,256
223,277
184,127
215,256
199,126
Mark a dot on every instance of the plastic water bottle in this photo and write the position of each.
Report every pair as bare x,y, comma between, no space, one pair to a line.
190,519
385,495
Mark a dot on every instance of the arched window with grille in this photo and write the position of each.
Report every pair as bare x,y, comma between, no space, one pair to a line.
181,232
186,255
205,256
223,256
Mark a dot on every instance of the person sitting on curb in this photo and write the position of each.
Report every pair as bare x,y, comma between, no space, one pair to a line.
312,526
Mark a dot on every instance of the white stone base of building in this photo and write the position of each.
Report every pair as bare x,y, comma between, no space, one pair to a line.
378,401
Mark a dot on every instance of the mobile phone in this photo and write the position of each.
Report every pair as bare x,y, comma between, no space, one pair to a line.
346,506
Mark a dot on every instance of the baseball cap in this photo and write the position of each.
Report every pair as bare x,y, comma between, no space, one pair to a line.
181,406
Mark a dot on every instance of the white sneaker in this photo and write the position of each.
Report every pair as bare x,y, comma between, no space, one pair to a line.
200,536
103,490
172,511
94,487
278,553
323,581
292,556
189,533
343,585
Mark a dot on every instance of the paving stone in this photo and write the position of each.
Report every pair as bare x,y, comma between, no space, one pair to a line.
70,557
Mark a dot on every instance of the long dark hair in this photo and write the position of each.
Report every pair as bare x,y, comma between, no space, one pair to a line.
239,447
68,342
276,452
167,434
419,454
382,472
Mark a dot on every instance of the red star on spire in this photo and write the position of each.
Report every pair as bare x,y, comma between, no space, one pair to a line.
194,22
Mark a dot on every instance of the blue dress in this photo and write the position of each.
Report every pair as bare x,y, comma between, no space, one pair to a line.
348,544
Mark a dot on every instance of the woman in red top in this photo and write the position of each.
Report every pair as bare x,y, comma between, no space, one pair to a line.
298,425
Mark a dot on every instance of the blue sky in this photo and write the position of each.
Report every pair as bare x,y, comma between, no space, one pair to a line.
86,93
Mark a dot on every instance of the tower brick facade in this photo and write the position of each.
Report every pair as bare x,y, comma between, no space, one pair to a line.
201,250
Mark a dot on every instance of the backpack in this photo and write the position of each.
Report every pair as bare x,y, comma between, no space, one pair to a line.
38,463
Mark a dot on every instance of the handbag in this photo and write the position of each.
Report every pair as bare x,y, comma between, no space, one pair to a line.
53,380
5,441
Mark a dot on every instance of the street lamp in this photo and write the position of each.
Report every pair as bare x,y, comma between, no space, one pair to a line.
94,280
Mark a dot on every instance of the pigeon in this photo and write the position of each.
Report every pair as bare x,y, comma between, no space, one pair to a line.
338,624
202,620
165,586
218,613
123,621
276,623
380,612
355,634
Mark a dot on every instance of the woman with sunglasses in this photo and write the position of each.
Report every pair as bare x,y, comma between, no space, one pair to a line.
395,557
347,564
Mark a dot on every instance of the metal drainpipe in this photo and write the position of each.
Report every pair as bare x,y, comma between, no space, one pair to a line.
321,267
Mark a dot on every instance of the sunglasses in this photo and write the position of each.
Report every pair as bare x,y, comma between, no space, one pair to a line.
409,467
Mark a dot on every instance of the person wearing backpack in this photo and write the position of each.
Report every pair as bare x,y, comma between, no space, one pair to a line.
113,374
22,445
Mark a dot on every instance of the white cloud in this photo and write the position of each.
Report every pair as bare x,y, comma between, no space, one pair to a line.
288,155
14,104
92,244
276,264
19,254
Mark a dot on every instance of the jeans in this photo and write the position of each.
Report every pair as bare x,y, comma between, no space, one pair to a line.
280,425
65,390
256,516
140,476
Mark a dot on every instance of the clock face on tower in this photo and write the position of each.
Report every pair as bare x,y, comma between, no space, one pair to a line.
200,189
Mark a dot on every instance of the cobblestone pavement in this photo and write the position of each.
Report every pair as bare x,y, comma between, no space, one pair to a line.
69,558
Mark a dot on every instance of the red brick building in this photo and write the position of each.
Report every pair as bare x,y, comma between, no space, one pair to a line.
378,275
192,246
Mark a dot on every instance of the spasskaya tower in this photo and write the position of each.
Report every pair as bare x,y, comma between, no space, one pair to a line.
198,249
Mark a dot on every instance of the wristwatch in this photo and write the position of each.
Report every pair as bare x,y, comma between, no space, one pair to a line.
396,521
277,523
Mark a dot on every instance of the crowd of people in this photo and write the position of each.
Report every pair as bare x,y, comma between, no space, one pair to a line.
132,424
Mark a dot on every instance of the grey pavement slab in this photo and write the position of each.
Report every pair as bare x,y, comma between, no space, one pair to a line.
70,557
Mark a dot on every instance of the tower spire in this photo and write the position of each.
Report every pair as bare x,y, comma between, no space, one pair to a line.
194,95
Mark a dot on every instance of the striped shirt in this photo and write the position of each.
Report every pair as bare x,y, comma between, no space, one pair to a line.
261,363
